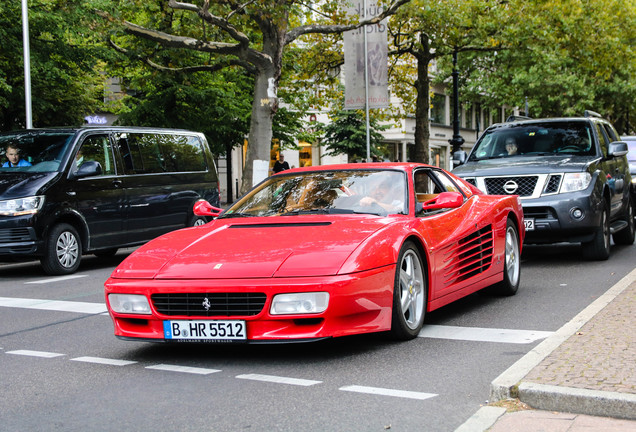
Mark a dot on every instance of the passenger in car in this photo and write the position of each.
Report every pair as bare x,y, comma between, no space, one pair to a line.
12,152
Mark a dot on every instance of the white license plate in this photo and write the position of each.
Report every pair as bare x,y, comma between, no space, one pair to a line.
205,330
529,224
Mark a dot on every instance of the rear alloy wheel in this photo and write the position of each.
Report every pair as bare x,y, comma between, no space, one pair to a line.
62,250
626,235
197,221
512,263
409,294
599,248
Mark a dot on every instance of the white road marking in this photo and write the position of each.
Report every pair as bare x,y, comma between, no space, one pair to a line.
55,305
479,334
185,369
43,354
278,380
388,392
105,361
57,279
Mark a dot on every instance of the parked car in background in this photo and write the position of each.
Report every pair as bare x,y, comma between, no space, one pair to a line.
320,252
572,176
97,189
631,158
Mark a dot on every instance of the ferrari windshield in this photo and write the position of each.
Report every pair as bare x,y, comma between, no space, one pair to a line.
34,151
380,192
548,138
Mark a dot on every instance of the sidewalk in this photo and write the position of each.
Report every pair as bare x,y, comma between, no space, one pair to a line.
582,378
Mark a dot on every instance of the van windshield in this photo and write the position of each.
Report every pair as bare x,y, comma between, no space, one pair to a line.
33,151
536,139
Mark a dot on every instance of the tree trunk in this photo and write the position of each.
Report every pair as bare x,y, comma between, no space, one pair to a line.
422,104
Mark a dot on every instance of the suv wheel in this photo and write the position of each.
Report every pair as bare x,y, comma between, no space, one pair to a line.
626,235
62,250
599,248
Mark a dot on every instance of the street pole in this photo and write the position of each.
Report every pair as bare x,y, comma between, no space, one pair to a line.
457,140
27,64
366,83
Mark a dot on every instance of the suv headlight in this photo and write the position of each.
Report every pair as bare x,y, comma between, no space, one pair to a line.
573,182
21,206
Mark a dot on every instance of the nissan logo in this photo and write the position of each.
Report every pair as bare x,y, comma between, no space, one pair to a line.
510,187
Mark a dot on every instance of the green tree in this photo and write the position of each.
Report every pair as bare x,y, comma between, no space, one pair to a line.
65,64
347,134
252,35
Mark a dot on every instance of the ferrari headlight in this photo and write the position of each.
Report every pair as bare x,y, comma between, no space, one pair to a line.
573,182
129,303
299,303
21,206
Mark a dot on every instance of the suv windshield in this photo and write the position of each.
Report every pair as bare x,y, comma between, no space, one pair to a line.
549,138
318,192
33,151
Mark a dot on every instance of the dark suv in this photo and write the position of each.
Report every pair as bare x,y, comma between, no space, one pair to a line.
571,174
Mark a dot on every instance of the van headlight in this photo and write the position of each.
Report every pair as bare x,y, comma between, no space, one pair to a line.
573,182
299,303
21,206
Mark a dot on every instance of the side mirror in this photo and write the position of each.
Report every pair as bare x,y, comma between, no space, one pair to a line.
459,158
445,200
204,208
617,149
88,169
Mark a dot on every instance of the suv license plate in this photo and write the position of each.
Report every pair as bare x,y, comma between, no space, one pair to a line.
529,224
205,330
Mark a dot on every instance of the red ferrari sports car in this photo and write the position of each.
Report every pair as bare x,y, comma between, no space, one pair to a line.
320,252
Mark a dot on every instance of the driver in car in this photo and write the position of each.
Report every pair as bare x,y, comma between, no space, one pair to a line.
381,195
13,155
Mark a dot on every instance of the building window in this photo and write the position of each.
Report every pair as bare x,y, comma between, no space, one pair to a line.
468,115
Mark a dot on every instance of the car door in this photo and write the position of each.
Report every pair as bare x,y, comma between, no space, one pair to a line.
99,198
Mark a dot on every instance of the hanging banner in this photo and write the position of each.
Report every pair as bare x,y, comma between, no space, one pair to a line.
377,58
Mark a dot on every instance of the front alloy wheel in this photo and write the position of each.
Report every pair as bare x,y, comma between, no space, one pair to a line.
409,294
63,250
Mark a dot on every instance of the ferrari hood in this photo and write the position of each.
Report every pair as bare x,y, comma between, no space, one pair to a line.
254,248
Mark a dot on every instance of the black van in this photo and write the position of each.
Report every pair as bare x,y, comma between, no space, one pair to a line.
65,192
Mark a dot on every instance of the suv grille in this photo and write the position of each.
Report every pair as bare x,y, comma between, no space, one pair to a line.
219,304
15,235
525,185
553,184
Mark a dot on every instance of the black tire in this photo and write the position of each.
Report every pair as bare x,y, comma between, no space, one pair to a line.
410,293
512,263
62,250
197,221
626,235
106,253
599,248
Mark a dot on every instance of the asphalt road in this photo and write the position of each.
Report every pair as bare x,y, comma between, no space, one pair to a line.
61,368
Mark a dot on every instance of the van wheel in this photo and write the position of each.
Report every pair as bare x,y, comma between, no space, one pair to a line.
197,221
599,248
62,250
626,235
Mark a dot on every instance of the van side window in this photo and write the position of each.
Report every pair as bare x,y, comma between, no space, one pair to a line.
160,153
96,148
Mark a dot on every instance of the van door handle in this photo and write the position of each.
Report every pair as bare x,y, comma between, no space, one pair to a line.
117,183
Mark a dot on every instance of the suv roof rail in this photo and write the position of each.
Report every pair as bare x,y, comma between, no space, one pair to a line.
517,117
589,113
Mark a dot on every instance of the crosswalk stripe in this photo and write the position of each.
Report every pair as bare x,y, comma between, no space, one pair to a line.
54,305
105,361
480,334
42,354
278,379
388,392
57,279
184,369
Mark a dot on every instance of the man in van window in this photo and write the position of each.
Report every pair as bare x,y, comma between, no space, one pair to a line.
13,154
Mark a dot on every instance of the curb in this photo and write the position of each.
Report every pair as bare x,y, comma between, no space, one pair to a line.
507,385
580,401
483,419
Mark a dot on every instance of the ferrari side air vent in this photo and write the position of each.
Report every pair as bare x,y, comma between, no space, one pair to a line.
468,257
